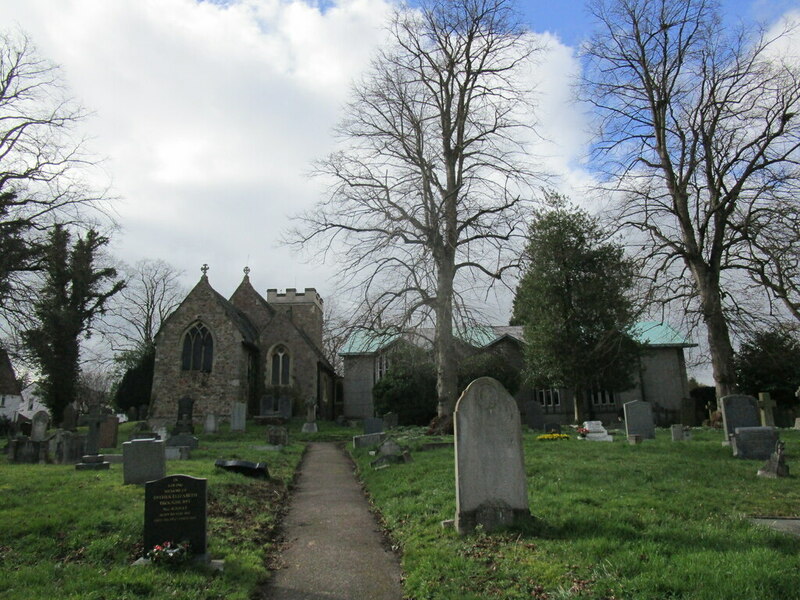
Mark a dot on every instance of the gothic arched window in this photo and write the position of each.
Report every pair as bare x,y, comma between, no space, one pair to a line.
280,366
198,349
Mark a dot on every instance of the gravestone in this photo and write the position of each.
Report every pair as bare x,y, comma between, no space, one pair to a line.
677,433
183,439
143,461
108,431
489,462
765,406
390,420
639,419
69,421
533,415
175,511
776,464
738,411
373,425
596,432
310,426
797,423
39,423
67,447
277,436
177,452
285,407
210,424
23,450
238,416
143,412
93,460
244,467
267,405
367,440
754,443
184,423
144,435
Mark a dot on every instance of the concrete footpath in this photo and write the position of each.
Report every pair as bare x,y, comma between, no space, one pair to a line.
334,547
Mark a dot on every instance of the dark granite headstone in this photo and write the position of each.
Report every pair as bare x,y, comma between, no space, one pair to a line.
754,443
739,411
285,407
175,511
372,425
183,439
533,415
244,467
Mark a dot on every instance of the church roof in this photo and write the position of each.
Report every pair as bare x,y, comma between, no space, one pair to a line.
9,386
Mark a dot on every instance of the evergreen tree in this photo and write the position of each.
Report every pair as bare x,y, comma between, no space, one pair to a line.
73,292
575,303
769,361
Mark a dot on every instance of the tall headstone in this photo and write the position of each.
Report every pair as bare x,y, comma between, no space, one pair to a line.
108,431
39,423
533,415
738,411
175,511
491,489
639,419
93,460
185,410
765,406
310,426
210,424
238,416
143,461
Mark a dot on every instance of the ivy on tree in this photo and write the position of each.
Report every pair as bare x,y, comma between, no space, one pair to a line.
75,289
576,304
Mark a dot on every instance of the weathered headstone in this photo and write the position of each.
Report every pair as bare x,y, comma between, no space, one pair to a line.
210,424
596,432
634,439
277,436
175,511
533,415
285,407
765,406
738,411
108,431
310,426
390,420
238,416
776,464
39,424
25,451
489,463
177,452
67,447
183,439
373,425
143,461
754,443
184,423
369,439
677,433
797,423
69,420
93,460
639,419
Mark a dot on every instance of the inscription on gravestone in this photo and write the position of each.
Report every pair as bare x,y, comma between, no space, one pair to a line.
175,511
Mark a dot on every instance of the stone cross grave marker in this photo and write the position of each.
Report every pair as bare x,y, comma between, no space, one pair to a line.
639,419
238,416
143,461
738,411
491,488
39,423
765,405
175,511
93,460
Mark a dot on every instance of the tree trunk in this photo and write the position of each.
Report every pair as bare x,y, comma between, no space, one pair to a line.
579,409
446,375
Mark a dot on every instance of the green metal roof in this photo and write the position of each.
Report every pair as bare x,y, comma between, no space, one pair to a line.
656,333
367,342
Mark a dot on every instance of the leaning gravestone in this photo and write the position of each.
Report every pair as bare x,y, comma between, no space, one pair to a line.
490,471
639,419
738,411
754,443
238,416
175,511
533,415
373,425
143,461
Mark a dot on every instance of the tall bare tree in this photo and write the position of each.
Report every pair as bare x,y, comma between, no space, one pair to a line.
700,134
42,162
426,197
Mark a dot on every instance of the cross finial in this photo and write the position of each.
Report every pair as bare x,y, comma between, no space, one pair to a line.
246,271
204,269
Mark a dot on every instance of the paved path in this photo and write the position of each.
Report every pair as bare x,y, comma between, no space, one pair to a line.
335,548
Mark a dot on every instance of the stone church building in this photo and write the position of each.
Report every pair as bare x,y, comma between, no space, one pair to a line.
263,352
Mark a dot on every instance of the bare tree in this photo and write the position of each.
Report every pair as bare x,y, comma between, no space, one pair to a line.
426,201
152,291
42,163
699,135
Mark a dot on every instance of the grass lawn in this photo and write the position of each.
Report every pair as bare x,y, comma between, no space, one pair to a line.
660,520
73,534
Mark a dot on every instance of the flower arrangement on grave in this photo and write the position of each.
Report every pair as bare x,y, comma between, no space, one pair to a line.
582,431
169,553
552,437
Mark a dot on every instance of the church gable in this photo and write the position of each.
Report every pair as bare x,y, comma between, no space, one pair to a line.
247,300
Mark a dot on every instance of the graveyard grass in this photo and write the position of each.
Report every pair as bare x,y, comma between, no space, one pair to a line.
612,521
74,534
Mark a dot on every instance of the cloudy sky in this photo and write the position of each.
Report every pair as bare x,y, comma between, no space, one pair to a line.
209,114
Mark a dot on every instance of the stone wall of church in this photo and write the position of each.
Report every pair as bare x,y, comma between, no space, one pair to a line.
213,392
